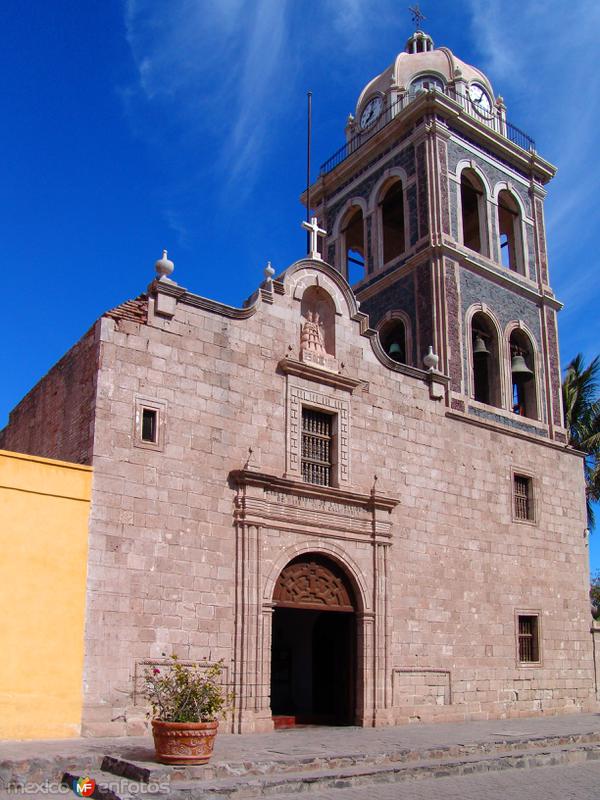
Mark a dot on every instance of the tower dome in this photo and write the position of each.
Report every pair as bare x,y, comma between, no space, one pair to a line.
421,66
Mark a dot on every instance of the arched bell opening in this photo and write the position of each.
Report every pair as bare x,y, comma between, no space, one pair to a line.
523,377
485,359
509,227
392,222
353,232
473,211
393,340
313,644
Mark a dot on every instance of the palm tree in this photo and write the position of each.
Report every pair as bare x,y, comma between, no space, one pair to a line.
582,420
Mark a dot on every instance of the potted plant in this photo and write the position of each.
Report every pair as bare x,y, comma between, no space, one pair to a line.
186,700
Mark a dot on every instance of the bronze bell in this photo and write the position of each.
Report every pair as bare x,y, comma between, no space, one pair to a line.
395,351
520,370
479,348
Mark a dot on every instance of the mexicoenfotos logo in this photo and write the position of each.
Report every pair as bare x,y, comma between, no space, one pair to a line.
84,787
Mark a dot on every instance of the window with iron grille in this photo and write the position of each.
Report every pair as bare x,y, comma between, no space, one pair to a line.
316,447
523,499
529,647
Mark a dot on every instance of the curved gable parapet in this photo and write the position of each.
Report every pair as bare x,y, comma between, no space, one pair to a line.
394,366
181,295
310,272
307,272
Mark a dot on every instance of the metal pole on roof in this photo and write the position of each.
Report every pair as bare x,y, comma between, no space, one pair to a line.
308,138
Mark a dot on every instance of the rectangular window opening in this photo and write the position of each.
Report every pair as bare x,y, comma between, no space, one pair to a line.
149,425
523,497
317,436
529,648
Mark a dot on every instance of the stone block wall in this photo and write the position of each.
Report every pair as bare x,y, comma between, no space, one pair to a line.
55,419
178,551
183,557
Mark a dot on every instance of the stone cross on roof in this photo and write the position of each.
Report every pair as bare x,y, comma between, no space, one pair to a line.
313,228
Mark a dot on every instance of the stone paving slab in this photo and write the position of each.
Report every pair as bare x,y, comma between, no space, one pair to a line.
317,781
572,782
50,759
310,741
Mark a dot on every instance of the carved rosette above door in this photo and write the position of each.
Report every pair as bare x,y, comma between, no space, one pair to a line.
277,520
313,584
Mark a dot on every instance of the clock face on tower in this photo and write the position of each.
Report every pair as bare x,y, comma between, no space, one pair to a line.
371,111
482,102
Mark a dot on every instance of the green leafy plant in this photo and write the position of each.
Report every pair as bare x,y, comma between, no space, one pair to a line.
185,693
581,402
595,596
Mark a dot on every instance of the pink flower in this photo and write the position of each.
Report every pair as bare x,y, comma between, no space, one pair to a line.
155,671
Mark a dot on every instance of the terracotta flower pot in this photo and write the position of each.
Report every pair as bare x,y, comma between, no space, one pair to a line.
183,742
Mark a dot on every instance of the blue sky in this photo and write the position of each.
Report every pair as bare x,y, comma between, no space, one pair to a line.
133,125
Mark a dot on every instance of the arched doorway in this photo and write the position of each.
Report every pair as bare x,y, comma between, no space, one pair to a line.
313,655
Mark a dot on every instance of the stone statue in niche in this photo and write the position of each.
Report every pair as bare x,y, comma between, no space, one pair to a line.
317,329
312,337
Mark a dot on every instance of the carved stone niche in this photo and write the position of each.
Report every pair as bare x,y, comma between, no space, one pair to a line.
317,329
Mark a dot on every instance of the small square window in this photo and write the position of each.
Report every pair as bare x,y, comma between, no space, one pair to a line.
317,437
149,425
523,498
528,638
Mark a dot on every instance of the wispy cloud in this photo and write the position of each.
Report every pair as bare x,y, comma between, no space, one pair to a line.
549,60
261,81
208,73
348,17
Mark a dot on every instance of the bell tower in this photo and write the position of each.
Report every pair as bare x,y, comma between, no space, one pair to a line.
433,211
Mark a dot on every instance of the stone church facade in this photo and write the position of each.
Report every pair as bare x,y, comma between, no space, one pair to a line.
361,499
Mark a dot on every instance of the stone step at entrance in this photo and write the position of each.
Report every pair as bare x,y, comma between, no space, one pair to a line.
285,776
143,767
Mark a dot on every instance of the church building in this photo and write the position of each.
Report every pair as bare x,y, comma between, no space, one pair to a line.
356,488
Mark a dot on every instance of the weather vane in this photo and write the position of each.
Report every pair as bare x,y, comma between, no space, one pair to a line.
417,15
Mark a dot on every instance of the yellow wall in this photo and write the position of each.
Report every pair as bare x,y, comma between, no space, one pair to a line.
44,509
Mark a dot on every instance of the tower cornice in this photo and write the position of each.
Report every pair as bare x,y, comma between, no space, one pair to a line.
424,110
449,250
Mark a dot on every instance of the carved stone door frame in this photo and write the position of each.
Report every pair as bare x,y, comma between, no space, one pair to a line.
330,522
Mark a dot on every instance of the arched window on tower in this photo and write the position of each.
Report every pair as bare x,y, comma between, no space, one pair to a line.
425,83
392,222
486,361
392,335
509,227
522,369
354,245
472,202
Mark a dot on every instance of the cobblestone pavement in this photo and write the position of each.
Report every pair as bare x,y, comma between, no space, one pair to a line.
575,782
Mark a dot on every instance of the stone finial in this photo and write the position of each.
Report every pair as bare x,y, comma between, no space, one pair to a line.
431,360
269,271
164,267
